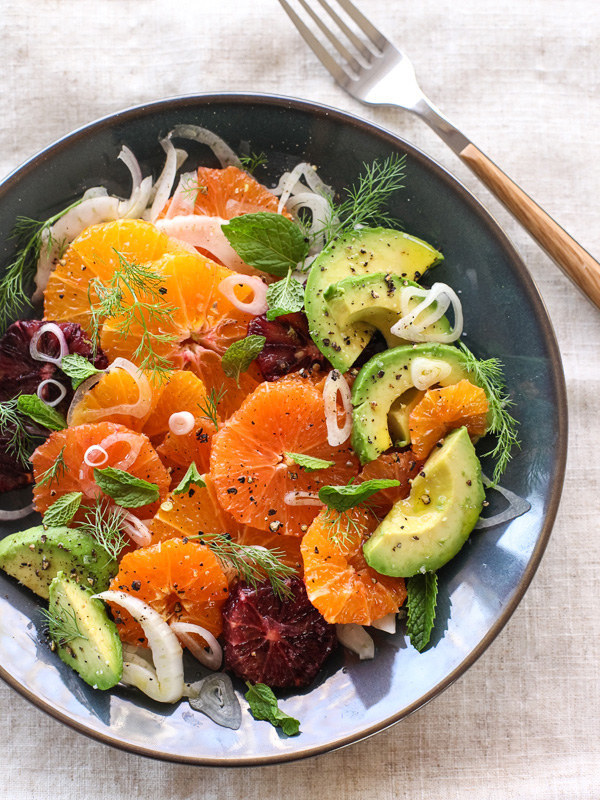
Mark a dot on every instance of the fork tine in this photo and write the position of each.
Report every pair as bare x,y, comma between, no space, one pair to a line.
339,74
376,36
343,51
358,43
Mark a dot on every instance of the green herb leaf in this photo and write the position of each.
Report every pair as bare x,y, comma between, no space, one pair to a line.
210,407
239,355
285,297
192,476
366,200
253,161
309,463
420,602
19,442
125,489
63,510
40,412
263,705
78,369
133,297
341,498
104,522
489,375
63,624
31,236
267,241
251,562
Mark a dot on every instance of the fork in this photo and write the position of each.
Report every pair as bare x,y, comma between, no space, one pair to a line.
375,72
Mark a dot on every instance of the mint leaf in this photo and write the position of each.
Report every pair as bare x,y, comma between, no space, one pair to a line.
420,602
285,297
263,705
341,498
78,369
309,463
40,412
239,355
267,241
192,476
63,510
125,489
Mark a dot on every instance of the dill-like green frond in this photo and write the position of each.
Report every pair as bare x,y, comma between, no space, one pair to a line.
489,375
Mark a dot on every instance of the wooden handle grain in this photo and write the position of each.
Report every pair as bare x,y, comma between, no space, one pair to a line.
570,256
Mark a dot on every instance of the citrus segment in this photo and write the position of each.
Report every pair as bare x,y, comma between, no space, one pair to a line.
182,580
197,512
95,254
442,410
59,464
181,317
254,479
403,467
183,391
339,583
230,192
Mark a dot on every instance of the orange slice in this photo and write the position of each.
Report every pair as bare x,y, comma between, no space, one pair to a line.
182,580
125,449
200,325
442,410
339,583
254,478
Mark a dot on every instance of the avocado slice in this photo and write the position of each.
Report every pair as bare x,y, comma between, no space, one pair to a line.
85,638
399,416
361,252
376,300
428,528
35,556
382,380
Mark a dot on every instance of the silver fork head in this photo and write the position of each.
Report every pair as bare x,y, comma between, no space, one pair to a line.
367,65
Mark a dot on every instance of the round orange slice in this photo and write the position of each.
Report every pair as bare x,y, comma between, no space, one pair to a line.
339,583
256,481
182,580
59,464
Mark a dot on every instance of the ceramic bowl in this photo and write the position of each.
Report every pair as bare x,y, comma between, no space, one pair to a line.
505,317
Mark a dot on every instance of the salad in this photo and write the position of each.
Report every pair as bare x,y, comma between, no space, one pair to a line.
249,422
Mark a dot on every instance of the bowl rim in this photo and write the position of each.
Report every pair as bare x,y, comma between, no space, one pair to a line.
320,110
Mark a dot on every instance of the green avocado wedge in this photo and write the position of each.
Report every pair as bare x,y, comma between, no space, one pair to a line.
358,253
377,301
428,528
386,377
86,639
35,556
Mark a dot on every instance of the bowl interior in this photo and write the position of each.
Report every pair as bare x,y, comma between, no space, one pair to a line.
504,317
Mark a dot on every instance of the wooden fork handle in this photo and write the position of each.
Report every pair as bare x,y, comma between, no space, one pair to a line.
570,256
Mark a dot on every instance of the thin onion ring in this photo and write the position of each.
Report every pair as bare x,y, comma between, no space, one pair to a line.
181,423
255,307
49,327
51,382
302,499
334,383
88,458
211,659
17,513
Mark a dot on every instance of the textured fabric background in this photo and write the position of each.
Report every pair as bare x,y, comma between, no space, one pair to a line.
523,80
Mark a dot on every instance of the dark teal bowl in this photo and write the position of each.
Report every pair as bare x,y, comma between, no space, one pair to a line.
505,317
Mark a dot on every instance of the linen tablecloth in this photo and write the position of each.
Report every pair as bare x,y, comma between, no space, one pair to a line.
523,80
